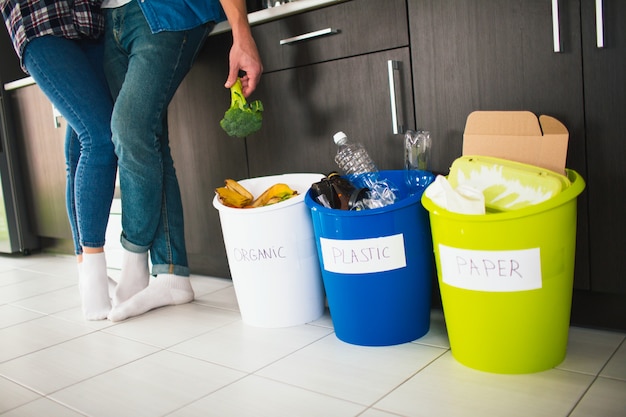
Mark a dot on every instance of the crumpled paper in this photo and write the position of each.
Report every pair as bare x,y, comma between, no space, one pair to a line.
463,199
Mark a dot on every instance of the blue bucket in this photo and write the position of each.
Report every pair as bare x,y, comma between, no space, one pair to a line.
377,266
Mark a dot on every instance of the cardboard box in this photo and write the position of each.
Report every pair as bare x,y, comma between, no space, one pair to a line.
517,136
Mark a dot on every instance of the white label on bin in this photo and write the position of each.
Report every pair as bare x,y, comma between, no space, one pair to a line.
496,271
363,256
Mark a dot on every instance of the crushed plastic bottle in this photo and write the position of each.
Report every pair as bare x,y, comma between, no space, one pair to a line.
356,163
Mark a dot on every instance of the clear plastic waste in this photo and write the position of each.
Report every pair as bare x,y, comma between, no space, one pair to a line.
416,159
353,159
337,192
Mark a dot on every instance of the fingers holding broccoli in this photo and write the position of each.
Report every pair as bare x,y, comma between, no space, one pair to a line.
242,118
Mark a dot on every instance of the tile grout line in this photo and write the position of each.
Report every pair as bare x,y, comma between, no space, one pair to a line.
445,350
597,376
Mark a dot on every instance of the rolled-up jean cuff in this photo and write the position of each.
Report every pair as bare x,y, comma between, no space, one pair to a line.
131,247
179,270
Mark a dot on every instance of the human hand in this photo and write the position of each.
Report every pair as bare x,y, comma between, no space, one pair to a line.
244,57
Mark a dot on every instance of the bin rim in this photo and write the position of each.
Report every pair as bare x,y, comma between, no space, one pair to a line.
283,204
404,202
577,186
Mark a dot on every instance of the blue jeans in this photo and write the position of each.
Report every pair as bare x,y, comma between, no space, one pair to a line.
70,73
144,70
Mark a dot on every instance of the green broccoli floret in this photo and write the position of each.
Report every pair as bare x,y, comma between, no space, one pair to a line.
242,118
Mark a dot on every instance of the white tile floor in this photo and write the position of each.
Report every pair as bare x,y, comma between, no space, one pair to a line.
199,359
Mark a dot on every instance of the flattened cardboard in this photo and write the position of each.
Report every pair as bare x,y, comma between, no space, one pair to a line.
517,136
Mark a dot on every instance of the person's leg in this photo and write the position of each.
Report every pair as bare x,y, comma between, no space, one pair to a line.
135,273
72,154
70,74
88,277
144,71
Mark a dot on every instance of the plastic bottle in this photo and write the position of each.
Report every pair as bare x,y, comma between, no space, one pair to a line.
417,146
355,162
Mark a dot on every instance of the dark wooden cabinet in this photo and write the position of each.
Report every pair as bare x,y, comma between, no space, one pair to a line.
306,106
605,107
9,65
490,55
329,70
493,55
603,303
40,143
333,32
37,138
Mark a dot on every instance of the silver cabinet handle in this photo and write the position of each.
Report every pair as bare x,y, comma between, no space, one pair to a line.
599,24
55,117
392,66
305,36
556,29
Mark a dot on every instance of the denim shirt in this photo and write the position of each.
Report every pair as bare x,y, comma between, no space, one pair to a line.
170,15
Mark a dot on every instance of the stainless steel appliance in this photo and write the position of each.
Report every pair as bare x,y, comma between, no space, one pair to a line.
15,232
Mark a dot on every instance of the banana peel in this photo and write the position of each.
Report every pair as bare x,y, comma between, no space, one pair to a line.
235,186
232,198
233,194
275,194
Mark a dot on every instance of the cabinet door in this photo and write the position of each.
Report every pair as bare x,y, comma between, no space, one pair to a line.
495,55
334,32
41,138
204,155
306,106
605,104
9,65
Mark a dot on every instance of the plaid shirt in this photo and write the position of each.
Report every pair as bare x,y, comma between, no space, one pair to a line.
72,19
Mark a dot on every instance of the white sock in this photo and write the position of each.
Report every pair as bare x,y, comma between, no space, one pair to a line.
93,283
112,284
163,290
133,278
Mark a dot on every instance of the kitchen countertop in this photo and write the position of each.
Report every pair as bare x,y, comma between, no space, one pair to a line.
255,18
278,12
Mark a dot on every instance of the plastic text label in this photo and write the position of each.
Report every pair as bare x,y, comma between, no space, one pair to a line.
362,256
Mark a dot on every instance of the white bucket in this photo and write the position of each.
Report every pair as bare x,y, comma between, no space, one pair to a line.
273,257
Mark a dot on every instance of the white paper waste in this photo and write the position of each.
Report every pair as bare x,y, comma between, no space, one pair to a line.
463,199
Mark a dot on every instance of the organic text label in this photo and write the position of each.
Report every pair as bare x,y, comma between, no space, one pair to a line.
259,254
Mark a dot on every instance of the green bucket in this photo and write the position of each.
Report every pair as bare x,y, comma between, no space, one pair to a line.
506,282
